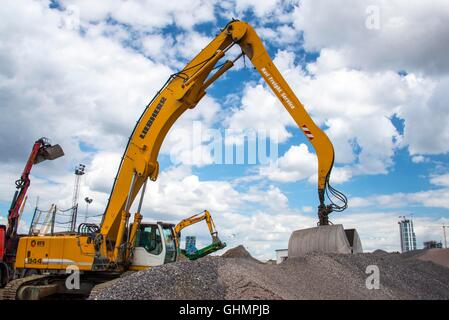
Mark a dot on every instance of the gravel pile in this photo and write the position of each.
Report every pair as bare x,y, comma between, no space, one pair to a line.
438,256
196,280
314,276
239,252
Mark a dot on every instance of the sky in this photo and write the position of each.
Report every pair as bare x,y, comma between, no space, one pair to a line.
374,75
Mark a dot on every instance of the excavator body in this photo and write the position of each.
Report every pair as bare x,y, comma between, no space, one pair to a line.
119,244
154,244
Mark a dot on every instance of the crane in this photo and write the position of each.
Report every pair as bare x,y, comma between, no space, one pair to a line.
42,150
119,244
216,244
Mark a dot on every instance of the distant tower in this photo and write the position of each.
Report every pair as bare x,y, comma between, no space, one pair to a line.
407,233
79,171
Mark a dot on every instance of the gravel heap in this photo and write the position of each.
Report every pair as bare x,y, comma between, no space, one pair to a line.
239,252
196,280
314,276
438,256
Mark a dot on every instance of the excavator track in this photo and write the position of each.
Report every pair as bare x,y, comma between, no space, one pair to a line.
10,290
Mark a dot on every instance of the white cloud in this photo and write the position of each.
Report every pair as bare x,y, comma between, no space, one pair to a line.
102,170
190,44
260,8
434,198
349,50
402,41
426,130
272,197
157,45
440,180
260,111
419,159
67,86
281,35
149,14
296,164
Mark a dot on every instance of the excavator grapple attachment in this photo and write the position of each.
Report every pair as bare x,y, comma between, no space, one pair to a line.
49,153
215,246
324,239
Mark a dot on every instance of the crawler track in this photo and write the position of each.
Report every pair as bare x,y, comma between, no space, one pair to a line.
10,290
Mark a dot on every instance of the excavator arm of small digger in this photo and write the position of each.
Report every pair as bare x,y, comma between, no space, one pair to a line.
182,91
216,244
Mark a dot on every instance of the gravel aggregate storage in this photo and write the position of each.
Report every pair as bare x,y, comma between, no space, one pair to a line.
197,280
237,275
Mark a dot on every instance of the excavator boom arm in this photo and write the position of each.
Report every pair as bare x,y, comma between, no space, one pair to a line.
195,219
216,244
184,90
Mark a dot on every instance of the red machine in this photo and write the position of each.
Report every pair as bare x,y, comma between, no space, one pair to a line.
42,150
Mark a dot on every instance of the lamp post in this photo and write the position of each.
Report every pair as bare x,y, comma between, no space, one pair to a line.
88,201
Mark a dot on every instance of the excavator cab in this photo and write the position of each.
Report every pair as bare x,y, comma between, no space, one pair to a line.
154,245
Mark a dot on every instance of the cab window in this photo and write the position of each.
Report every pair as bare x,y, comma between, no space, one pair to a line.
170,244
149,237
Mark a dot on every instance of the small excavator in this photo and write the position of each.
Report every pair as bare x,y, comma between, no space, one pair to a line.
42,150
216,244
105,251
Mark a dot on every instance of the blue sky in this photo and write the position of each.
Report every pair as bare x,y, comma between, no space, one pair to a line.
81,73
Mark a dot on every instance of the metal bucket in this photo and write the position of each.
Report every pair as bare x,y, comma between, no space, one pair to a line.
325,239
49,153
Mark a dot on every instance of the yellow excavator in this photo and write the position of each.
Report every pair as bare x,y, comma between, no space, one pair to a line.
216,244
118,244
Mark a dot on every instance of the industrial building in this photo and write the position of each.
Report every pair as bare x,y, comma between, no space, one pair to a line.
407,234
281,255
